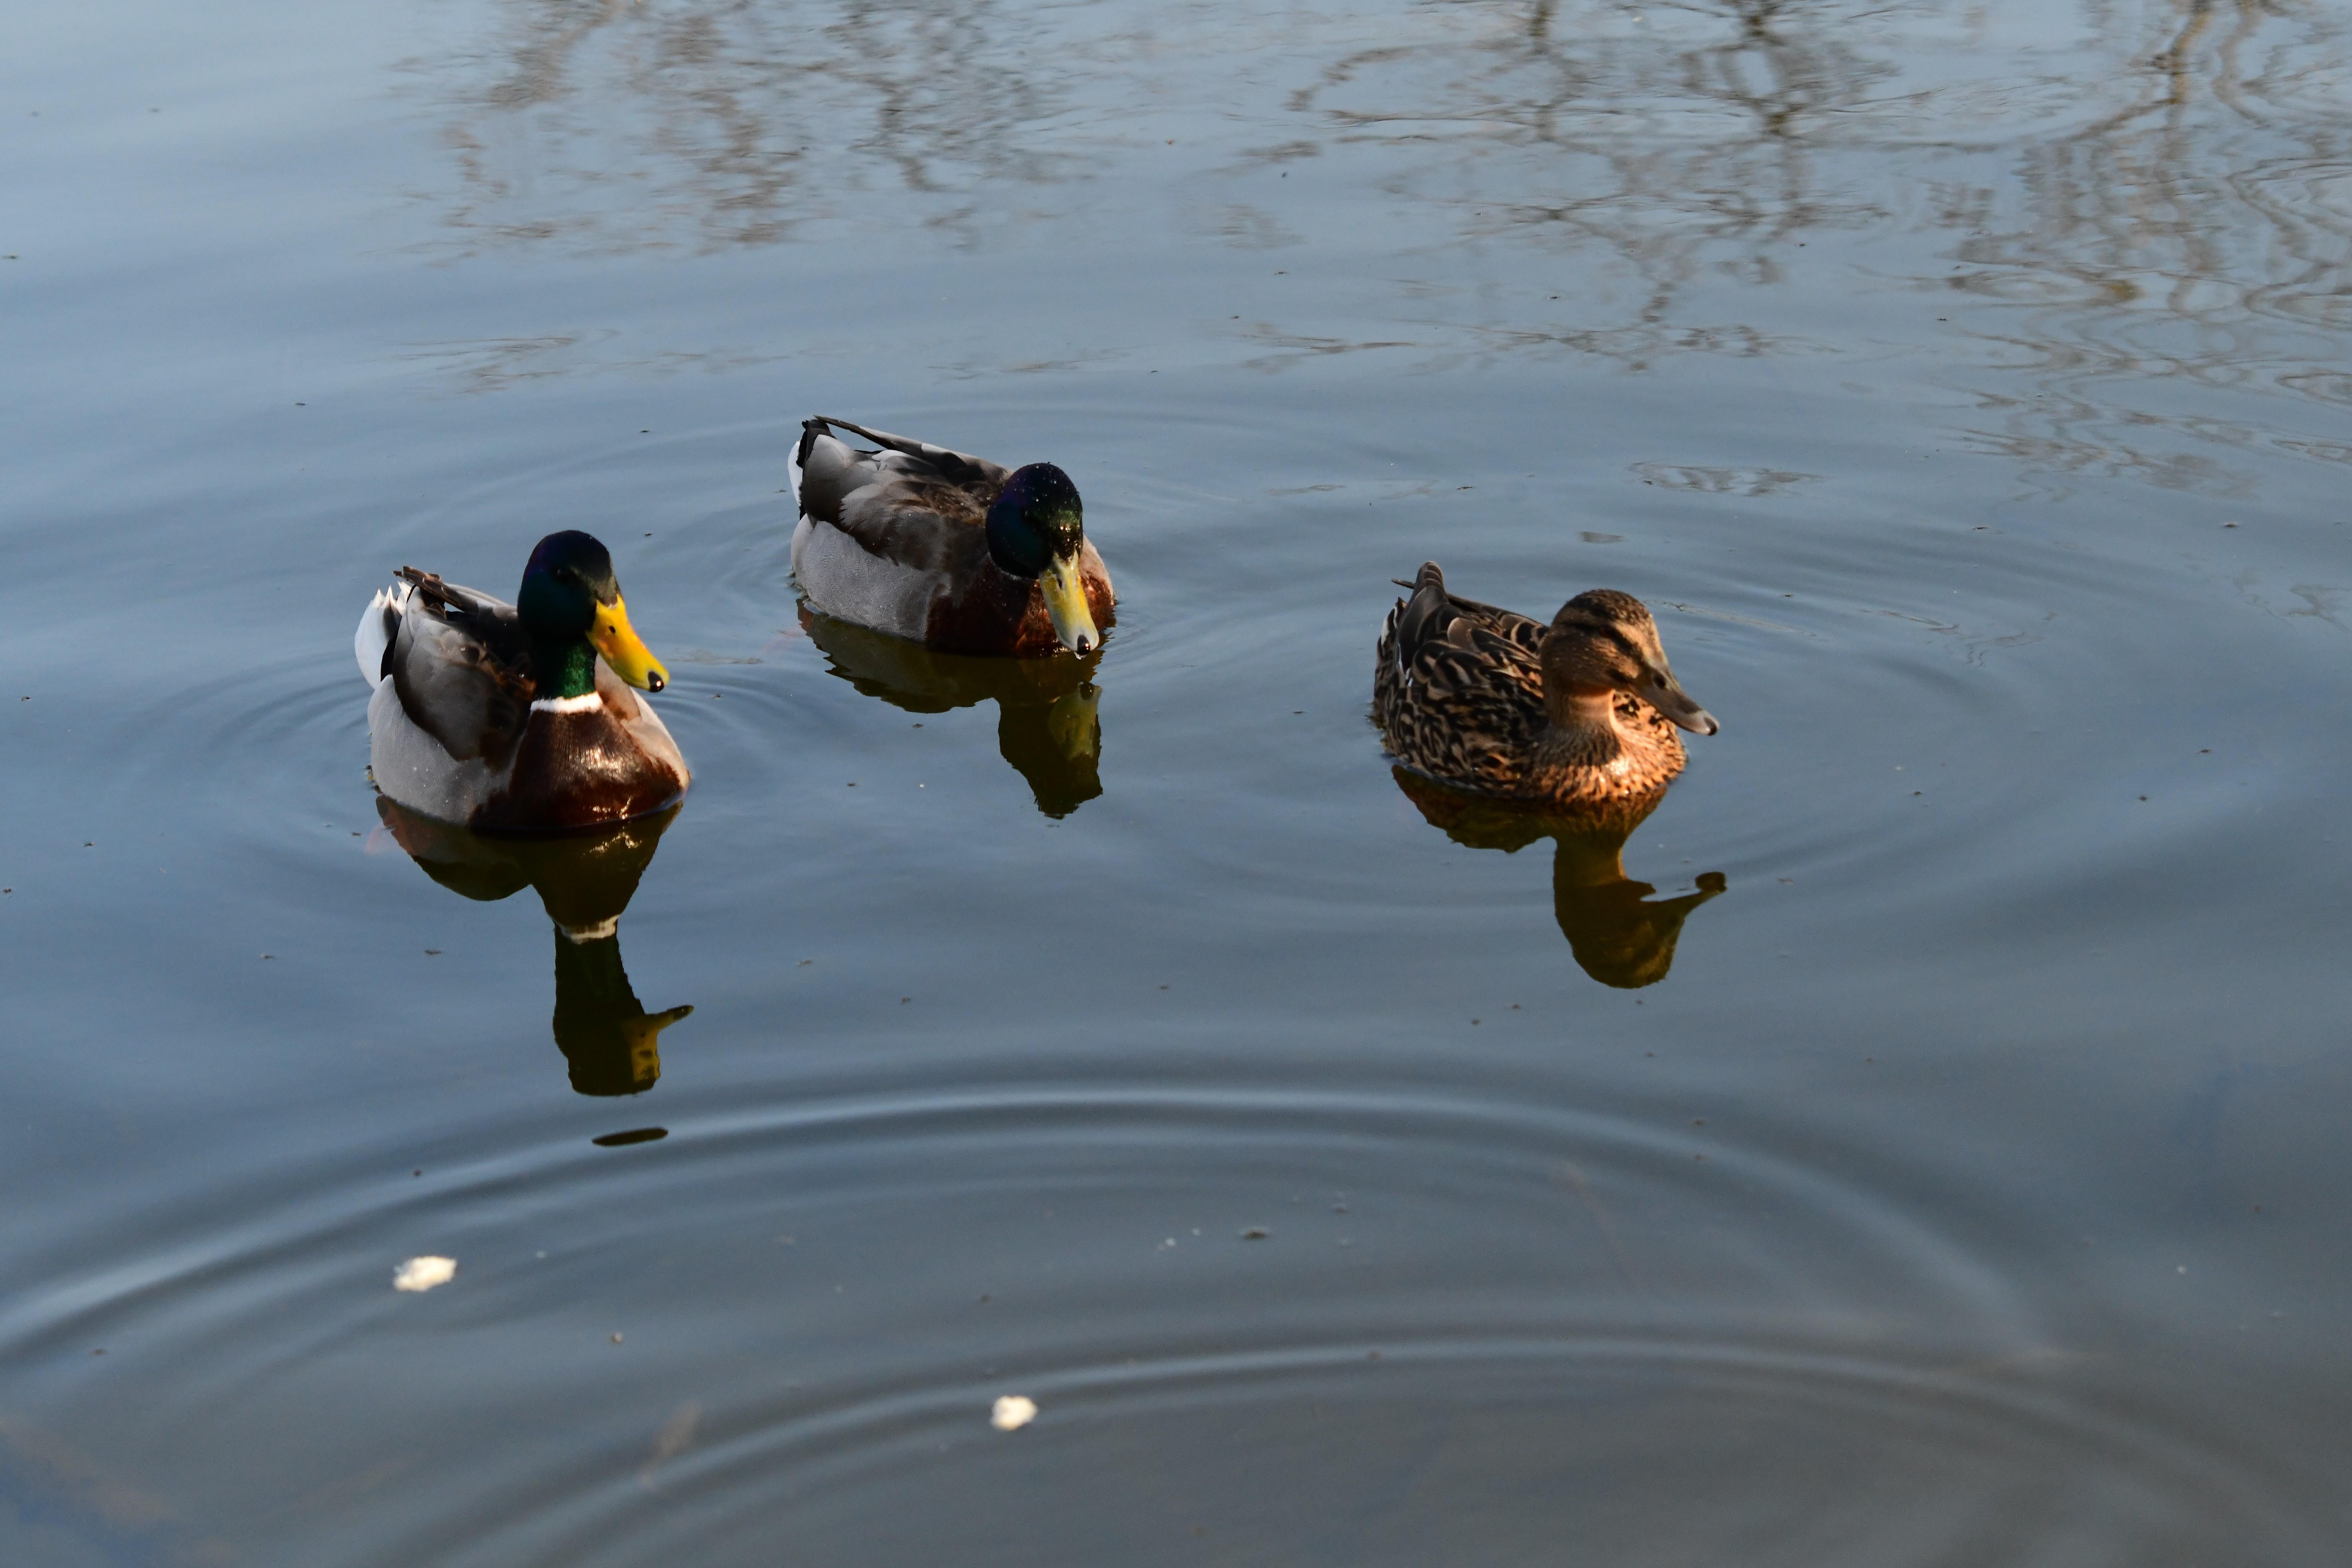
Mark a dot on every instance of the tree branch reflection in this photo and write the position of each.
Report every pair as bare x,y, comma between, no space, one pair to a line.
2121,193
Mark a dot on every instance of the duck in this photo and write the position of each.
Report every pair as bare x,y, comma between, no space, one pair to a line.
1581,713
944,548
517,717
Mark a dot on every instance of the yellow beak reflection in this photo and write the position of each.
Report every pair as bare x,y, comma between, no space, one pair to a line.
643,1037
1066,605
625,650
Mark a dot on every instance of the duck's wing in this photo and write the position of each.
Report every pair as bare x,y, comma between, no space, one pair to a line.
830,469
1458,688
1434,616
910,502
456,660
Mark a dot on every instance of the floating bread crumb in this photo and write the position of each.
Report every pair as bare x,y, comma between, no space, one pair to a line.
424,1274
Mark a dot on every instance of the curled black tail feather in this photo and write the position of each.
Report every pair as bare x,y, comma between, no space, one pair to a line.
810,429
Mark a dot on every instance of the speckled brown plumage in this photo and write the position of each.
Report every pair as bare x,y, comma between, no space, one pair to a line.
1459,690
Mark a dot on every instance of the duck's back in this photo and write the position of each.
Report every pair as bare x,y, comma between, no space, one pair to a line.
450,704
881,533
1456,687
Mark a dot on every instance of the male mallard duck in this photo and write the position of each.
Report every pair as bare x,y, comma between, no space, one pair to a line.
503,717
1578,714
947,550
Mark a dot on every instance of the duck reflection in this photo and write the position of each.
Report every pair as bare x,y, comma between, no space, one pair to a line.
1617,936
1047,722
584,882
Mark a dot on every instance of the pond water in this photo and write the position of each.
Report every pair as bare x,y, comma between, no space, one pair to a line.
1919,1143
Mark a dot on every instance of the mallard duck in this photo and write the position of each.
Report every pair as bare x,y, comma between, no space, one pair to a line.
944,548
513,718
1579,713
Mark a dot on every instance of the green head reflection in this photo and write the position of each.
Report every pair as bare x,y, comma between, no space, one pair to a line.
612,1044
1048,725
584,881
1617,933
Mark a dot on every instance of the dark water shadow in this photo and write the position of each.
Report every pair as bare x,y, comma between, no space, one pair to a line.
1618,937
584,881
1047,723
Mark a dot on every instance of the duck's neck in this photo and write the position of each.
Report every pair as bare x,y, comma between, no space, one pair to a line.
1582,731
563,670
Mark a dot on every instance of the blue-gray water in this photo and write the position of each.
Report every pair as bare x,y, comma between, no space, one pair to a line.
1965,386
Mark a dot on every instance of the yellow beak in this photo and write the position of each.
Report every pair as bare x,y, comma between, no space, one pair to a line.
1066,605
625,650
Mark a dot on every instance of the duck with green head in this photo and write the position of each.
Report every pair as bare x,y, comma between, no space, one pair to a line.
1579,713
945,549
517,717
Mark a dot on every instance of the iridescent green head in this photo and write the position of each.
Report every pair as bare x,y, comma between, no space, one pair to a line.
572,610
1037,529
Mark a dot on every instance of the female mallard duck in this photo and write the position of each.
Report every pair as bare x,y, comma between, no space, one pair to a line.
950,551
503,716
1579,713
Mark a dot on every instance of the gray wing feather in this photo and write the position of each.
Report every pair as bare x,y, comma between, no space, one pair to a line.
911,503
914,531
457,676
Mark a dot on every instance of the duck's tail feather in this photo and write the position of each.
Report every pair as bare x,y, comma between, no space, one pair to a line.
1424,616
825,471
379,628
810,428
446,595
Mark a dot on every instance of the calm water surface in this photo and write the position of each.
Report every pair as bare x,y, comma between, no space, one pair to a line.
1919,1145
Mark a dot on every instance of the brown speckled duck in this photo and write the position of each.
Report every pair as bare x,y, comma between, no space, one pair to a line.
1579,713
